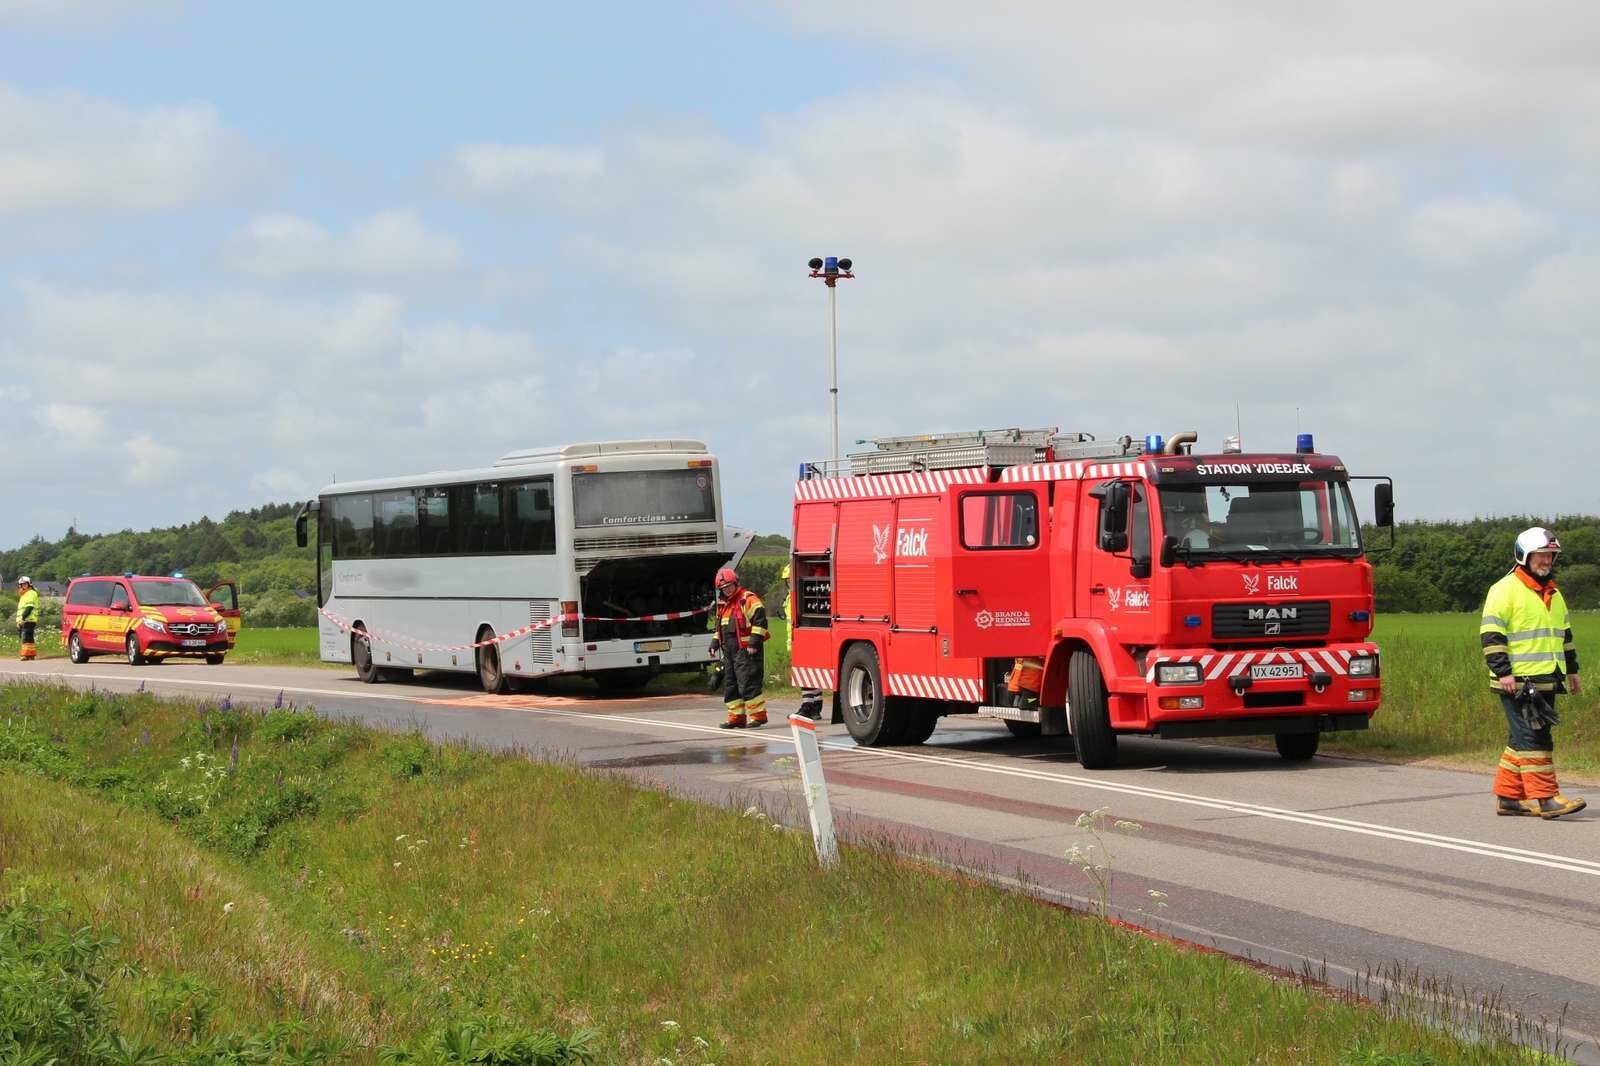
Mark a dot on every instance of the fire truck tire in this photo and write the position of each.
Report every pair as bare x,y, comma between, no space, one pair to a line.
361,655
869,715
75,650
917,726
1297,747
1023,730
1089,712
490,675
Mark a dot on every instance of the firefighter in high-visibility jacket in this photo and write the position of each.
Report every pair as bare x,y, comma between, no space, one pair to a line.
1527,644
739,623
27,617
1027,678
810,698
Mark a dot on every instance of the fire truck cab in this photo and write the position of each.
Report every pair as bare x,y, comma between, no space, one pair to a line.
1167,593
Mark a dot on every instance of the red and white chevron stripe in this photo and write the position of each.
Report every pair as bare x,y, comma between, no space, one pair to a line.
1069,471
1333,661
935,688
811,677
404,641
868,486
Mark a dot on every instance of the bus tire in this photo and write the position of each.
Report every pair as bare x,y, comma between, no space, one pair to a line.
491,674
396,673
361,655
1089,711
869,714
75,650
1297,747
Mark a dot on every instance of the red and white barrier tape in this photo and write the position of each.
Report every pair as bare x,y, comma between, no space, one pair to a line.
345,626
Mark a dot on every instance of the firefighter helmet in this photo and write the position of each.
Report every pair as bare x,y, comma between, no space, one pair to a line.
24,581
1537,539
726,577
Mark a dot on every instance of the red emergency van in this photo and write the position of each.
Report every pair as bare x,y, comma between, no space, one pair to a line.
148,619
1167,593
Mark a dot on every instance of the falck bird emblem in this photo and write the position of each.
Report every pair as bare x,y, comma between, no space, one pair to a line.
880,542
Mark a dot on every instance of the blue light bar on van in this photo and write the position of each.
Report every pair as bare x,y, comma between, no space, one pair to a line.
177,573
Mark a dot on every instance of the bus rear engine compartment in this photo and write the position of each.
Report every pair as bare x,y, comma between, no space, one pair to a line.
629,588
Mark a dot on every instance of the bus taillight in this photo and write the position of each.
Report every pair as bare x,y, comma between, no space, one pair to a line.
569,618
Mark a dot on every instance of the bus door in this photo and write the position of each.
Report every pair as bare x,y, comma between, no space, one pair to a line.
999,570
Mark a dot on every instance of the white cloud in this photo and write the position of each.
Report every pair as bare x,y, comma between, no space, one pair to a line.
1456,233
64,152
510,168
388,245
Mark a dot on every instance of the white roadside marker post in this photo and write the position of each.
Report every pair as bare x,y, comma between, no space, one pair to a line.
816,789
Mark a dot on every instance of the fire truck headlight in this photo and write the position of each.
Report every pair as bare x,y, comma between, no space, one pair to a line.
1364,666
155,624
1178,674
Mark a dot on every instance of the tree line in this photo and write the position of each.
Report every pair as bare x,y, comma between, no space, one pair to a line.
1448,566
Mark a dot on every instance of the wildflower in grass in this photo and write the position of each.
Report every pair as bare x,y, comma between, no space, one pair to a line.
141,687
401,837
277,704
227,908
669,1024
227,703
144,738
397,864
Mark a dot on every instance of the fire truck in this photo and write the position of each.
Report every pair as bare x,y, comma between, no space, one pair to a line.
1166,592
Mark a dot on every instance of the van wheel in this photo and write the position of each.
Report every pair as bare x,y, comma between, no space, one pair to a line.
75,650
361,655
490,674
1297,747
130,647
214,660
868,713
1088,709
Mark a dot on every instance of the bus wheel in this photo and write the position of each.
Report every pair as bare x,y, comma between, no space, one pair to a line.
867,713
1089,711
361,655
1297,747
490,675
75,650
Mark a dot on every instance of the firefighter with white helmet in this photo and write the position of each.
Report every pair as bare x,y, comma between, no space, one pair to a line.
739,622
27,617
1527,645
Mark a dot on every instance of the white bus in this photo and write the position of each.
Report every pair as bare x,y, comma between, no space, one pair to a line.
600,535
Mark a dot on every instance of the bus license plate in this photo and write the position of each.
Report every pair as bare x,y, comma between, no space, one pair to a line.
194,644
1277,672
652,645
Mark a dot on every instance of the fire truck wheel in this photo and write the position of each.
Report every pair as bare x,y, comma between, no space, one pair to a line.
131,647
490,675
918,726
1297,747
867,713
1022,729
75,650
1089,712
361,655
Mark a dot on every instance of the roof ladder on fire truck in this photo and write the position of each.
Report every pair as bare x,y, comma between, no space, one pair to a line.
988,447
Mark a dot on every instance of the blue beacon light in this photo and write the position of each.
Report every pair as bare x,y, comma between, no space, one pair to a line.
1303,443
1153,444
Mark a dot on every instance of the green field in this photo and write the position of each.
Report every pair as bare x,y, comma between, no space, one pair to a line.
183,884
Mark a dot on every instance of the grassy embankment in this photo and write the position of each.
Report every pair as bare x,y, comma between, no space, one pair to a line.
214,874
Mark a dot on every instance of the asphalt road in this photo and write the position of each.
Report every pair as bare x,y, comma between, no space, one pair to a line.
1342,868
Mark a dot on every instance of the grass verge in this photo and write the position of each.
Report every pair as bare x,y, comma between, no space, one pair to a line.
320,892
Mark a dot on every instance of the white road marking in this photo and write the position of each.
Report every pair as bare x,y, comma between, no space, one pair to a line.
1321,821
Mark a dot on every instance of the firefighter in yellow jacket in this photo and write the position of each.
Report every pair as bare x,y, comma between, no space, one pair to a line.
1527,644
739,624
27,617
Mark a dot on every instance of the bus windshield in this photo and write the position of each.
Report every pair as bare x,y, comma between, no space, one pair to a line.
644,497
1264,518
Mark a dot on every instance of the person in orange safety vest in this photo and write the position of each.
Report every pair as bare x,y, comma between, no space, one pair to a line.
1024,683
739,625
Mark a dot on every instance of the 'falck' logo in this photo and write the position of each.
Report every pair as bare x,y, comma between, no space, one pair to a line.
880,542
1252,582
1114,598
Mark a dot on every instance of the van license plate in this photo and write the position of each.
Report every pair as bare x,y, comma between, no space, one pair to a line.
194,644
1277,672
652,645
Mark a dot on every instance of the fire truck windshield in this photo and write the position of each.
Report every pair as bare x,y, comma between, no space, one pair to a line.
1291,518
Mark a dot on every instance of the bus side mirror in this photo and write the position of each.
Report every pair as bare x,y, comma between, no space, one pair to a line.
300,527
1383,503
1114,497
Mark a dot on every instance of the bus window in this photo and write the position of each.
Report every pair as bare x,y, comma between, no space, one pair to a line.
394,524
433,521
530,516
352,524
475,519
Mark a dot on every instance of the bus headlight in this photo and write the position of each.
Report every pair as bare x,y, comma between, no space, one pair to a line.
1364,666
1178,674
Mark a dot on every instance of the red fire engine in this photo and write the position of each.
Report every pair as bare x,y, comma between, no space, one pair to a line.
1166,593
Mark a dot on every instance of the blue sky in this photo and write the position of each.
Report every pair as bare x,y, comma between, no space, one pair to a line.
244,248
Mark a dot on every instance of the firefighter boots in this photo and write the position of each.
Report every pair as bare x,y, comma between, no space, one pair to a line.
1557,805
1505,805
735,721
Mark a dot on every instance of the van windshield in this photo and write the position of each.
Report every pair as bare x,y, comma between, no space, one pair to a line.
1278,519
168,594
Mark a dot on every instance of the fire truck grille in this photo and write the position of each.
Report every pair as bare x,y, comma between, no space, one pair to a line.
191,629
1301,618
